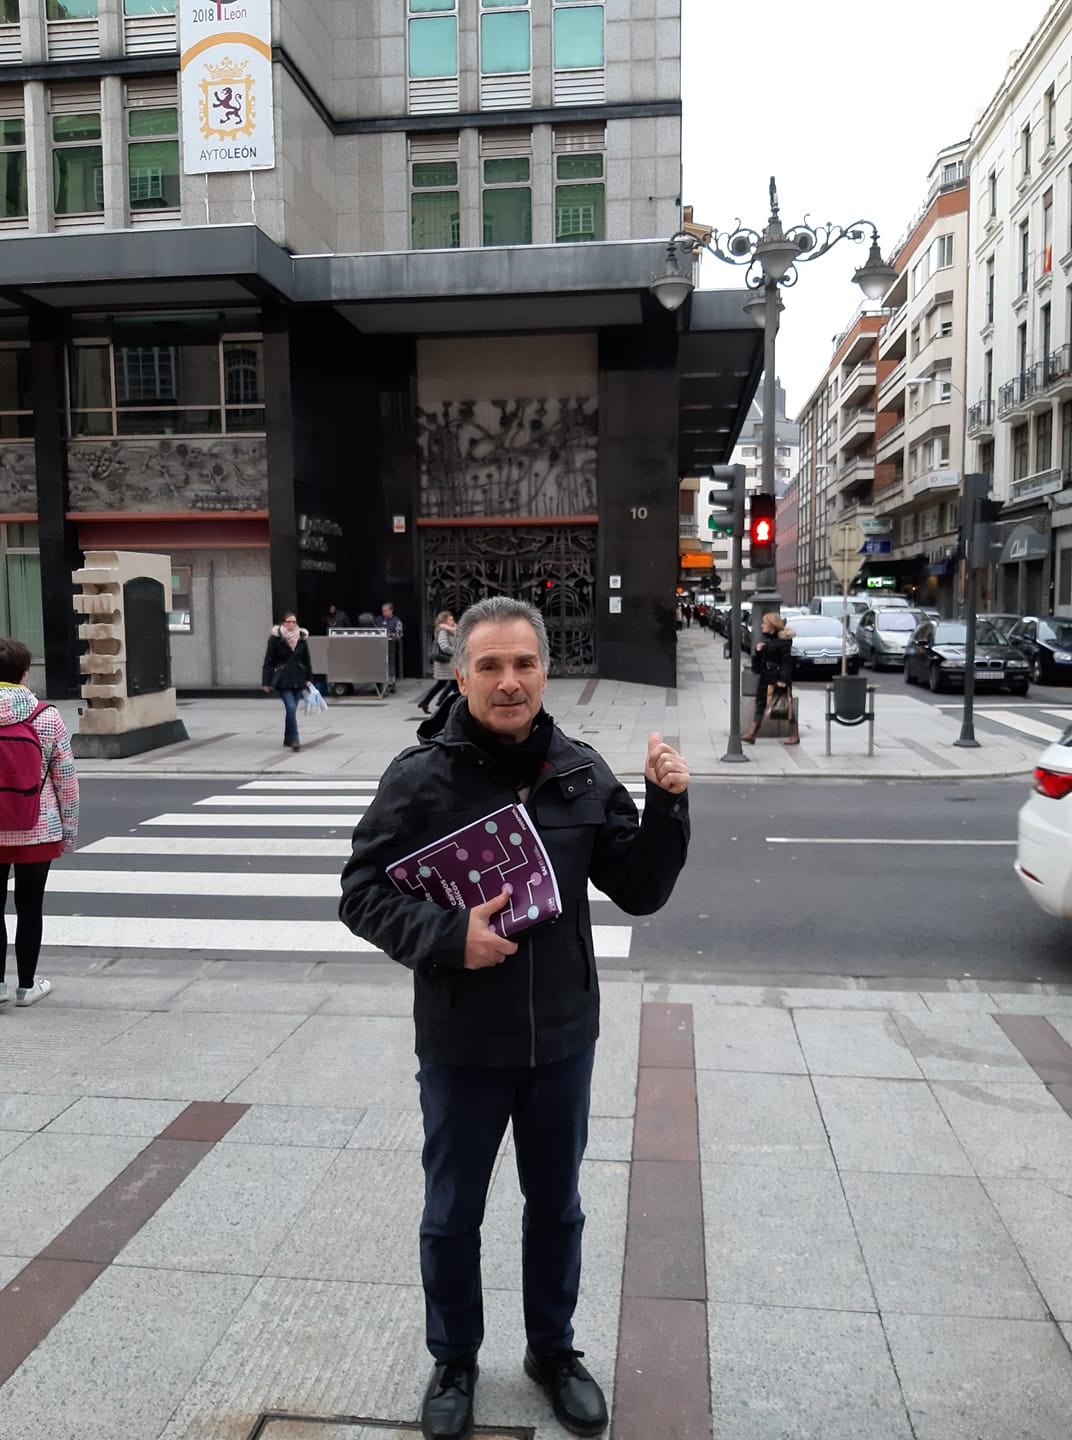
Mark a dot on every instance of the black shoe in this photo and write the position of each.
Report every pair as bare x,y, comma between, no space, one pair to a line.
576,1399
447,1411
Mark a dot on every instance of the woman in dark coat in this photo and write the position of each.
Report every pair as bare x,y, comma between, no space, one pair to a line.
772,661
288,668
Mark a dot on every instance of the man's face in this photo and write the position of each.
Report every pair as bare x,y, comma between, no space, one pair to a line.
506,679
387,611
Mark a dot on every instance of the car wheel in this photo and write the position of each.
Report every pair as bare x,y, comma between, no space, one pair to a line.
1018,687
1037,672
936,679
909,678
337,688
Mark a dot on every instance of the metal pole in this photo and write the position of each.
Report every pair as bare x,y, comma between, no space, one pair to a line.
766,595
967,740
734,752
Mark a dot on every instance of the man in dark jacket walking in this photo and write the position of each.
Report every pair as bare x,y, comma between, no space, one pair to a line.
506,1031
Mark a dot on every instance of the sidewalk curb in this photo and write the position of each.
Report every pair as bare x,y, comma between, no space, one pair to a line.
727,773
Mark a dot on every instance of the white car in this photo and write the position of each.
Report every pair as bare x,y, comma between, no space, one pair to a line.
1044,832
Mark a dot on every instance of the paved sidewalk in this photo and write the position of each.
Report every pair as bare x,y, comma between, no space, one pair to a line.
212,1184
358,737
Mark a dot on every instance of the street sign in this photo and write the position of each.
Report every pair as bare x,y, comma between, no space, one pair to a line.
876,547
845,568
845,540
872,525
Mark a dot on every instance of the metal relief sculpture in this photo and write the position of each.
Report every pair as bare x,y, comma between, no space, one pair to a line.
508,458
148,475
551,566
18,479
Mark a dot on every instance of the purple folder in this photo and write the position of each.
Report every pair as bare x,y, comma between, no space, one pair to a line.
501,851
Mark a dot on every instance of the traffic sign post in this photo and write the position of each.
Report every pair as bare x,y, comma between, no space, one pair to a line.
846,541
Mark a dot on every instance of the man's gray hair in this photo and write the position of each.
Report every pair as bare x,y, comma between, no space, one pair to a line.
499,610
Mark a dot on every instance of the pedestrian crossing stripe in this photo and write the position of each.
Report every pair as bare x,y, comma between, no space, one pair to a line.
104,933
371,786
1024,723
354,802
213,845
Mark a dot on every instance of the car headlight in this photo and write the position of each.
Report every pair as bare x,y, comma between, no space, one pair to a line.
1062,655
852,648
1016,664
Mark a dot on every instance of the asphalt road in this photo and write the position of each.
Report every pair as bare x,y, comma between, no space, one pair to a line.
906,889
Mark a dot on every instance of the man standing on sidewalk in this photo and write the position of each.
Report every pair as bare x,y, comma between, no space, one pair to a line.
506,1032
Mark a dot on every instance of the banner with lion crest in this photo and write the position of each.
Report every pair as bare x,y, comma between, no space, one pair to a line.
226,69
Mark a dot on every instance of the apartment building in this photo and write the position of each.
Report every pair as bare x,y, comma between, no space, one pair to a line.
363,315
1019,363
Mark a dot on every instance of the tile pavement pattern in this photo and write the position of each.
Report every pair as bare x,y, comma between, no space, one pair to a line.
882,1178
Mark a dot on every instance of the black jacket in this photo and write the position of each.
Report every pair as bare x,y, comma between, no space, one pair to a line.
284,668
774,663
541,1004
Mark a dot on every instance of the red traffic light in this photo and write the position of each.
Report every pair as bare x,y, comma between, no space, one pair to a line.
761,531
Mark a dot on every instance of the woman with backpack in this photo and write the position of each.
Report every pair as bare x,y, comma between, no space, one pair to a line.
38,813
288,669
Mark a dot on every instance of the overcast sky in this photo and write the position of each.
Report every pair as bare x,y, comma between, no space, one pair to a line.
847,104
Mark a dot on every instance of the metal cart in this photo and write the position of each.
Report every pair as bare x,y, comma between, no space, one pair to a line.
352,658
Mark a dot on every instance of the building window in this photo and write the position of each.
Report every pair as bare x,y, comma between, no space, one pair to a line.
168,374
1066,437
13,202
505,37
20,585
508,201
153,159
1049,111
943,252
16,393
580,198
148,7
578,42
992,193
1025,257
1020,452
9,12
77,164
433,39
990,291
1047,232
180,615
71,9
435,207
1025,151
1043,440
988,383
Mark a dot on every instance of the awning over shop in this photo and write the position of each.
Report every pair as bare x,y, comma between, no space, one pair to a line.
1025,544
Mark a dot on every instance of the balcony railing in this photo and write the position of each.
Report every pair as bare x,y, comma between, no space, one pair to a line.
1057,367
980,416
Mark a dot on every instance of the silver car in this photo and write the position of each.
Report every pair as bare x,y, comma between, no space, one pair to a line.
883,634
817,648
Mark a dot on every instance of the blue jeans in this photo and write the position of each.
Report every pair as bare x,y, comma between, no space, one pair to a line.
290,700
466,1109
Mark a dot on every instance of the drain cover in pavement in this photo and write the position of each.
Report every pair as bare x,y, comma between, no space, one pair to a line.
342,1427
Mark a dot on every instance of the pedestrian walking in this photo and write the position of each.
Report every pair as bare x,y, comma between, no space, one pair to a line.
38,814
389,621
505,1032
688,617
288,669
442,657
679,616
772,661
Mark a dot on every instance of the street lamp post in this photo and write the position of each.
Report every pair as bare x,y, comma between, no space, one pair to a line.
770,258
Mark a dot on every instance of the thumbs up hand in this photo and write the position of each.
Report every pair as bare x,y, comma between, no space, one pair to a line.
665,767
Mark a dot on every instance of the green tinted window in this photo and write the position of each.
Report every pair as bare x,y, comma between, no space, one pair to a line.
13,202
153,122
12,132
23,586
579,38
436,220
505,46
78,180
506,171
148,7
433,47
9,12
580,167
508,217
416,6
434,173
580,212
495,4
71,129
71,9
153,175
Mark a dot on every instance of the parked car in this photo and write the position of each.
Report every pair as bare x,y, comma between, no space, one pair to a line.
889,601
817,648
883,634
1000,619
1045,641
835,605
1044,832
935,656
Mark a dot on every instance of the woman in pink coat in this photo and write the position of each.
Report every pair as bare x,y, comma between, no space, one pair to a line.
31,850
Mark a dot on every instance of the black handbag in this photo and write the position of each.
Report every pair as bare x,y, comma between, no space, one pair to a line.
780,706
438,656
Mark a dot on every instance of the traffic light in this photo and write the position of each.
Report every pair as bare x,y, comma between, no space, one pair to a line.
761,531
978,535
726,499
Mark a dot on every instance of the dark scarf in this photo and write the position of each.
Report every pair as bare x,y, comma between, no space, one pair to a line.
521,763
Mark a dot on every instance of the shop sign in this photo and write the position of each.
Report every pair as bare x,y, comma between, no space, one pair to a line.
935,480
226,86
697,562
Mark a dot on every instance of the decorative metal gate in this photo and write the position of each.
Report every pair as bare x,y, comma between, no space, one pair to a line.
551,566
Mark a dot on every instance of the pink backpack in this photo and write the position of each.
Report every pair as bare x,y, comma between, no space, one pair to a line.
20,773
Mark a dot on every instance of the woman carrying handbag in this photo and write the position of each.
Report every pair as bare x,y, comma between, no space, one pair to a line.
288,669
772,661
442,657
